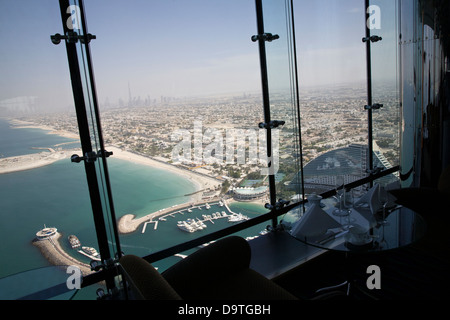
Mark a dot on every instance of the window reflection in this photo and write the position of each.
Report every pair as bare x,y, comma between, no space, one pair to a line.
332,71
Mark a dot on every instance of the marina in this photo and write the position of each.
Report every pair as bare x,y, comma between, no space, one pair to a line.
190,224
89,252
55,247
195,218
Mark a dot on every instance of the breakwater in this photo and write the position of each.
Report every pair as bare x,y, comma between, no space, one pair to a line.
55,254
129,223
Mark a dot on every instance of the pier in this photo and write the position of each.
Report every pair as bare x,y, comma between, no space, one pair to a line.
196,223
54,253
129,223
151,221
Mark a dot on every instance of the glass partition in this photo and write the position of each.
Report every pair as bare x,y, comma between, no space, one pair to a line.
383,23
282,100
44,197
333,92
77,39
410,54
180,112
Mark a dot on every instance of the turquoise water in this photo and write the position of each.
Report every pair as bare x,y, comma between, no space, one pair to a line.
57,196
15,142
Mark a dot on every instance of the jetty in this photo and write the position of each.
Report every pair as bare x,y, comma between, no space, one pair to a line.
197,224
129,223
54,253
151,221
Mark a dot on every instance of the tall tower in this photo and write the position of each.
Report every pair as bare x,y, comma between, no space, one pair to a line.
129,94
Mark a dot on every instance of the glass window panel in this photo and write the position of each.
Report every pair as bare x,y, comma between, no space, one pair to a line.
283,100
39,133
385,85
332,87
180,110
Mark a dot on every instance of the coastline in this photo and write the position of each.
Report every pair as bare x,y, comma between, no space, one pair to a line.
21,124
32,160
200,182
127,223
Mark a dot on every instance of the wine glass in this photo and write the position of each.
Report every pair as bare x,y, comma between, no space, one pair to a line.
340,196
349,201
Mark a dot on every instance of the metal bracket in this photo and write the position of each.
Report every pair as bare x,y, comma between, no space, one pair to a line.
272,124
375,106
372,38
91,156
279,205
265,37
72,37
374,171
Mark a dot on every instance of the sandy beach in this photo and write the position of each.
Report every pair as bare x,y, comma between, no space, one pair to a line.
37,160
19,124
201,182
128,223
32,161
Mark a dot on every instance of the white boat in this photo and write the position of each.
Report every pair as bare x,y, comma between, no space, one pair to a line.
194,224
90,250
183,225
74,242
201,223
90,253
237,217
208,206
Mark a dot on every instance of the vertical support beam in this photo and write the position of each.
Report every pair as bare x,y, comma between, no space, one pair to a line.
266,102
369,90
86,145
100,134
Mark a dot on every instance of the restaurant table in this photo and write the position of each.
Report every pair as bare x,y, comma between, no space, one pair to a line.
367,228
361,230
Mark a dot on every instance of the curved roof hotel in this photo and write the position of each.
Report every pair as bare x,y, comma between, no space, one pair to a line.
249,194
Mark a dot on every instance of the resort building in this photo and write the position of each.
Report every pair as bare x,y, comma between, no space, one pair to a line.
250,194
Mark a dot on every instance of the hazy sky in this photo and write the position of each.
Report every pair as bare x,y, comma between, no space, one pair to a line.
170,48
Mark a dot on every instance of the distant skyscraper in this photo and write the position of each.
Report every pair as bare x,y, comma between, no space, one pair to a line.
129,94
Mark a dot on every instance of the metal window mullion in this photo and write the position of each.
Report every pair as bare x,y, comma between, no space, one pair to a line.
369,92
297,101
266,102
107,182
86,145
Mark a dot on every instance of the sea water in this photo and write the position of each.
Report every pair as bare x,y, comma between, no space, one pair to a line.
57,195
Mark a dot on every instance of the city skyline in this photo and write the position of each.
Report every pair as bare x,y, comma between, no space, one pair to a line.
157,49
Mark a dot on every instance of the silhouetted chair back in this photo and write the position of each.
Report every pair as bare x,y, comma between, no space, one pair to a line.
432,205
218,271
